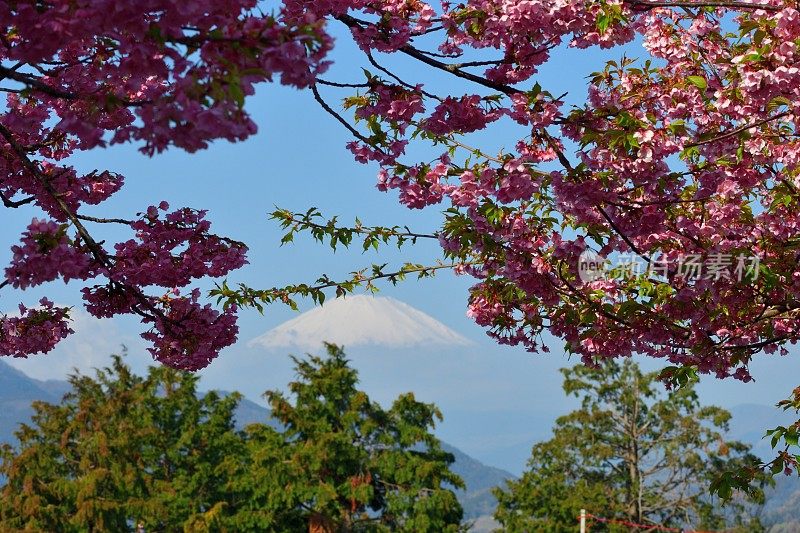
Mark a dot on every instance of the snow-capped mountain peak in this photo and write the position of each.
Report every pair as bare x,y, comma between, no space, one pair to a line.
361,320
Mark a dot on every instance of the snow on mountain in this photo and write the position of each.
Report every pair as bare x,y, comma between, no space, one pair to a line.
361,320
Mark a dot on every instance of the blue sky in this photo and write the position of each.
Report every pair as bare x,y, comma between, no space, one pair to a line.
508,398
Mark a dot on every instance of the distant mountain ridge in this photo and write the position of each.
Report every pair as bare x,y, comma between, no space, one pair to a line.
17,391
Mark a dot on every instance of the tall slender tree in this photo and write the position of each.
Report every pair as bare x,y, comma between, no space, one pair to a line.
631,452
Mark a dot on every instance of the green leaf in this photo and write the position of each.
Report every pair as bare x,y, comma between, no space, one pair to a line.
724,490
603,22
791,437
698,81
777,102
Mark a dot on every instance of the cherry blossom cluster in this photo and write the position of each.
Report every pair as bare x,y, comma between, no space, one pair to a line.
158,71
46,253
34,330
464,115
169,251
172,252
189,335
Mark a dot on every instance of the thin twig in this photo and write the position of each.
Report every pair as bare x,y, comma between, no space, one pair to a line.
105,220
732,4
337,116
739,130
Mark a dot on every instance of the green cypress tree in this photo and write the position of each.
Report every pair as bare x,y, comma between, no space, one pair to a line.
121,451
340,462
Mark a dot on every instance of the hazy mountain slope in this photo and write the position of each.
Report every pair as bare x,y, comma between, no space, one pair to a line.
782,505
17,391
749,422
480,479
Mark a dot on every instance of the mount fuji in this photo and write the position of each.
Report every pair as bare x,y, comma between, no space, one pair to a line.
361,320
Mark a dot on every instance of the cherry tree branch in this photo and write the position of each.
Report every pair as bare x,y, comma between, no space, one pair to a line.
395,77
622,235
739,130
97,251
94,247
321,101
7,202
37,84
732,4
105,220
353,22
245,296
322,81
297,222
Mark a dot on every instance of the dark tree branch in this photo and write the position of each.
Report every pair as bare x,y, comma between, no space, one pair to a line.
732,4
343,85
7,202
622,235
105,220
35,83
352,22
739,130
338,117
395,77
